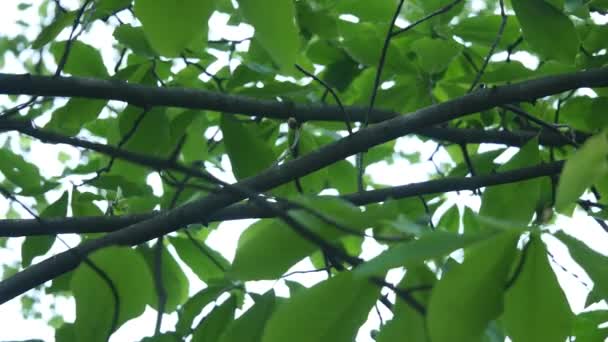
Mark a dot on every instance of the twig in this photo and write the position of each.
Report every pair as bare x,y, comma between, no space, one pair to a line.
429,16
347,118
501,28
68,44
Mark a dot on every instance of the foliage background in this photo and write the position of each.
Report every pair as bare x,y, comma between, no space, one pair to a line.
425,66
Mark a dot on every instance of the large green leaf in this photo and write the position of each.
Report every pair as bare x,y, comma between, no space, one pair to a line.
83,59
582,169
249,153
594,263
470,295
95,303
172,28
275,29
542,25
536,308
330,311
504,205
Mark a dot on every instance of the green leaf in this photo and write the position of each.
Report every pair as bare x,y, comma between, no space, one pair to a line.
482,29
152,132
542,25
82,204
248,152
194,306
407,323
582,169
205,262
586,326
429,246
592,262
134,38
257,256
108,7
20,172
470,295
95,304
175,282
34,246
170,29
212,326
450,220
51,32
536,308
434,55
349,298
275,29
70,118
250,326
83,60
503,205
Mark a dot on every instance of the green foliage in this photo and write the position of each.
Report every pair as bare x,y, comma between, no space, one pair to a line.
535,306
468,297
97,303
541,24
187,20
583,169
97,153
349,298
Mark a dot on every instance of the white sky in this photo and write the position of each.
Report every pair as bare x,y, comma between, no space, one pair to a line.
224,239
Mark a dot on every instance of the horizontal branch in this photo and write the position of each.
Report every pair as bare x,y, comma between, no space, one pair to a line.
106,224
364,139
509,138
149,96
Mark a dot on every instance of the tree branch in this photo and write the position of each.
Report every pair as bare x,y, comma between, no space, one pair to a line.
106,224
385,131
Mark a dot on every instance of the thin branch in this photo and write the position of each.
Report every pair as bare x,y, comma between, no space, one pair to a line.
380,67
501,28
68,45
520,112
158,282
374,135
347,118
429,16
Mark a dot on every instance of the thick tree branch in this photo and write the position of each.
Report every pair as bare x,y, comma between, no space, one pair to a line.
150,96
382,132
106,224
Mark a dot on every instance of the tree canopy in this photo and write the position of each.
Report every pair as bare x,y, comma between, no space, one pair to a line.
149,132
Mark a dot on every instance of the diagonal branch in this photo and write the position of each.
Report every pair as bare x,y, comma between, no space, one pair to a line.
385,131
